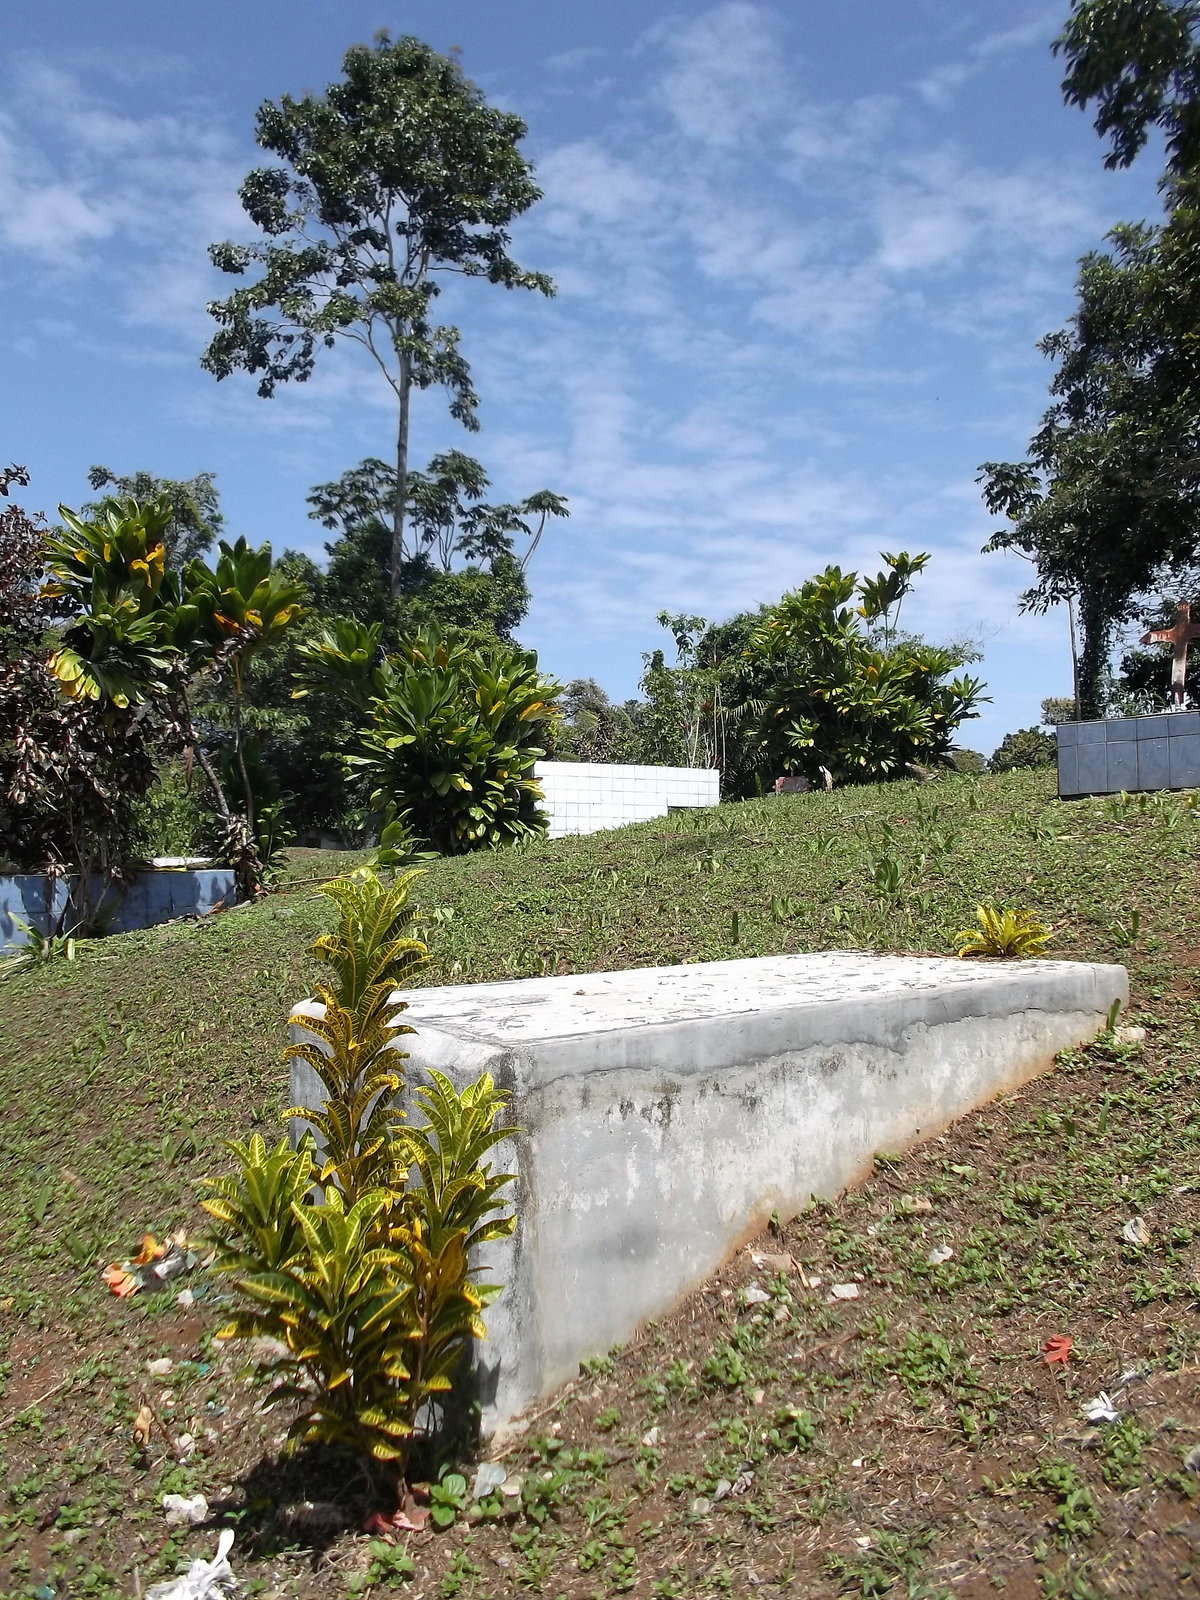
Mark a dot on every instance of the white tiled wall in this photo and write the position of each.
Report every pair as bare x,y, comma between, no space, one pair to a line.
585,796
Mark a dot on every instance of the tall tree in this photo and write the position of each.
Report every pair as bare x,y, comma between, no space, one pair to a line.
192,504
1139,62
397,176
449,520
1107,502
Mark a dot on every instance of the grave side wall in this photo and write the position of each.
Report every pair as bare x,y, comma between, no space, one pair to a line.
149,898
645,1161
585,796
1129,753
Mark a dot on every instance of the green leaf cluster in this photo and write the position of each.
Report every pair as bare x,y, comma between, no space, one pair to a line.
454,726
136,631
825,692
353,1251
1001,934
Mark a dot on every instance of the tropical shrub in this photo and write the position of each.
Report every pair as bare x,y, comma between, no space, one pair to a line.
71,770
368,1289
1003,934
134,635
832,686
454,724
1025,749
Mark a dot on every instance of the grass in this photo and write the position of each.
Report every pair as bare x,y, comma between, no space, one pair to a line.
911,1442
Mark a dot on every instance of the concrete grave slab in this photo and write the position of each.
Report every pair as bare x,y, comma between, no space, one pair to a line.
666,1112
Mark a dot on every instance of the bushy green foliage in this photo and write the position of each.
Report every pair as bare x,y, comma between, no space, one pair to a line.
457,727
1027,748
454,724
370,1291
137,634
969,762
171,818
828,693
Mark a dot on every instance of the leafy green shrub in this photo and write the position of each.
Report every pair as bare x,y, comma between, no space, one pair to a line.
454,726
827,692
1025,749
369,1292
172,818
1003,934
969,762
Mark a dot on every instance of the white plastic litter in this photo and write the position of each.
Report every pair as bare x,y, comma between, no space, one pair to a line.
179,1508
1101,1409
1135,1231
489,1475
754,1296
160,1368
203,1580
939,1254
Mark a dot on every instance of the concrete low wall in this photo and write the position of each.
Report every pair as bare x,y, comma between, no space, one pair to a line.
666,1112
1129,753
148,898
585,796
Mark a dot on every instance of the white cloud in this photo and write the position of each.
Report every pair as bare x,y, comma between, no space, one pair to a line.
584,180
46,216
724,80
938,88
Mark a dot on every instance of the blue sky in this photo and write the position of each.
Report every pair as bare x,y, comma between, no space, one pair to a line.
803,251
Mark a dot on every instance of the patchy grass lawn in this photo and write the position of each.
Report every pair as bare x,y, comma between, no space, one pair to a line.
762,1440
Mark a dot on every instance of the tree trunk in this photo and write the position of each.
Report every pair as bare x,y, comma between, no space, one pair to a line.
239,742
1074,656
398,504
1093,657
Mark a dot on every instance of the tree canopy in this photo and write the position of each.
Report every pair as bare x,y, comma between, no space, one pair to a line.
397,176
1107,502
1138,61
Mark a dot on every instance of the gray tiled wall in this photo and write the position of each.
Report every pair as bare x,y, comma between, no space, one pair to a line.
1161,752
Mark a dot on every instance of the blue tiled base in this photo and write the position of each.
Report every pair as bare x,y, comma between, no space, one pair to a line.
1129,753
149,898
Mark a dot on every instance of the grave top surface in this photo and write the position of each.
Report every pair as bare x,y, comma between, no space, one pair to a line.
532,1009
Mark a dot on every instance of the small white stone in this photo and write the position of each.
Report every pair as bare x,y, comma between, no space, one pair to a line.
843,1291
160,1368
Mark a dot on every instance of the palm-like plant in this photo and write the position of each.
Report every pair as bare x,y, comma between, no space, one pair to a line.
342,658
243,605
825,696
323,1282
456,729
108,574
1003,934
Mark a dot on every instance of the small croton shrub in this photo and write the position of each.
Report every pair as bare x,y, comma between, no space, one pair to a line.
352,1253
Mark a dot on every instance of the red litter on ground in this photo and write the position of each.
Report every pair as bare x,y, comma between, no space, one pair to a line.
1057,1349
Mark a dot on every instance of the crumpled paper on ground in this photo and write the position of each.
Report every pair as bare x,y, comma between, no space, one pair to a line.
203,1580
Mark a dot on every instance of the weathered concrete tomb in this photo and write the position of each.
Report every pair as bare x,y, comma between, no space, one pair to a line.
666,1113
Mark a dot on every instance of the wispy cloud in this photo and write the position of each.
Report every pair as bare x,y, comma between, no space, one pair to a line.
939,87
